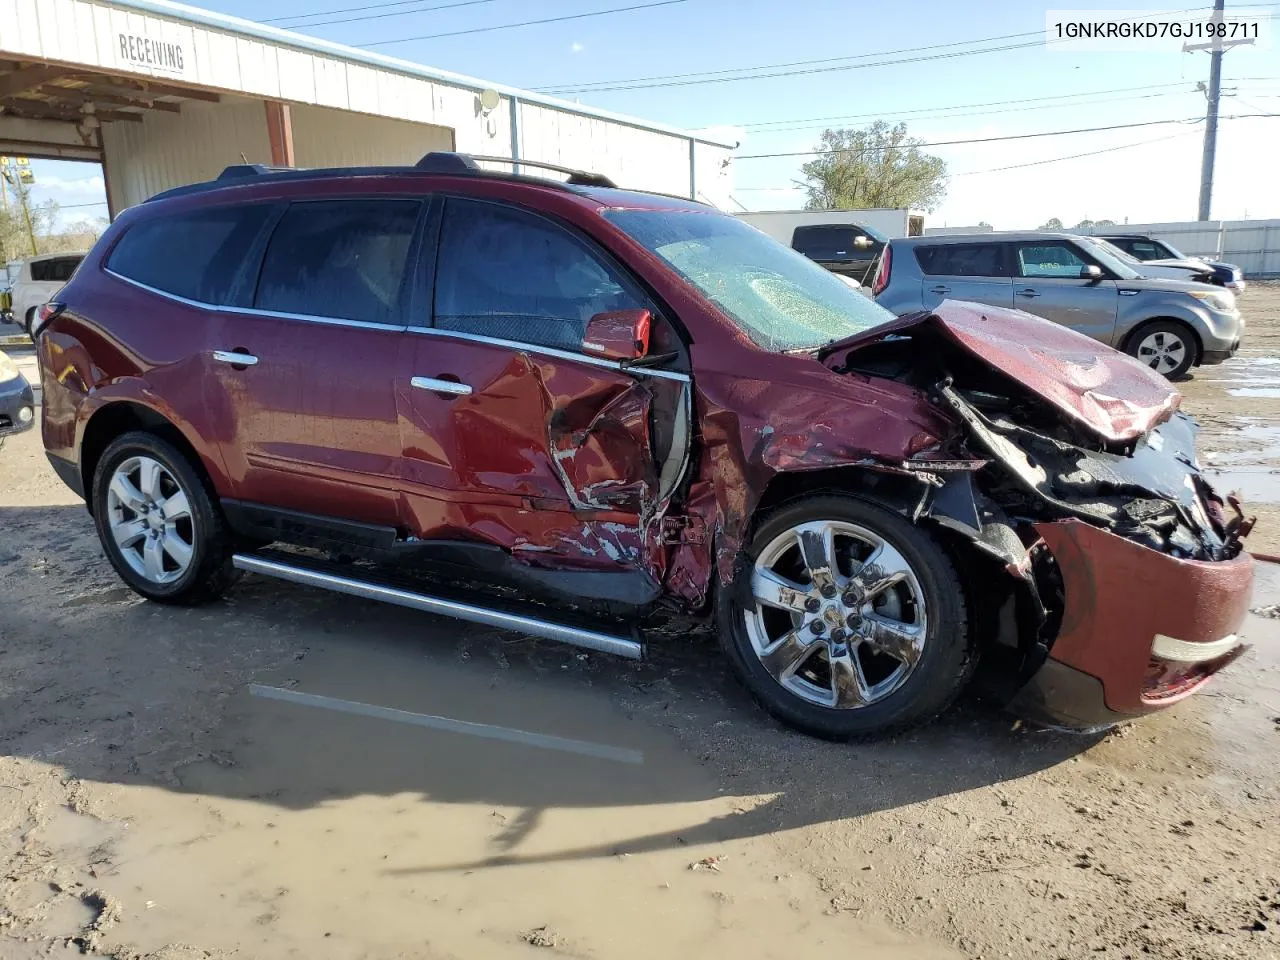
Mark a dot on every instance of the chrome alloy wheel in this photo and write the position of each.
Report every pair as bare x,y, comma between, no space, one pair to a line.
150,519
1163,352
838,617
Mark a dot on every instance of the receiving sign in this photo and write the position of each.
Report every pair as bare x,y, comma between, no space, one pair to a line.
151,52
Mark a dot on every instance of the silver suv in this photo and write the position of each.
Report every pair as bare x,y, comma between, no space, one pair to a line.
1170,325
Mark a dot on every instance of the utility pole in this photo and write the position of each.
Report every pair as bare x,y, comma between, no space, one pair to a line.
1216,47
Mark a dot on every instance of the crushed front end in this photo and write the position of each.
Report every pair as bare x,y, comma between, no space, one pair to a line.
1116,573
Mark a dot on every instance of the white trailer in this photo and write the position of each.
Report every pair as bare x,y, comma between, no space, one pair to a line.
888,223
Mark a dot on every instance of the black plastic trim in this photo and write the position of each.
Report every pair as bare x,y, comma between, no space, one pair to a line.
68,472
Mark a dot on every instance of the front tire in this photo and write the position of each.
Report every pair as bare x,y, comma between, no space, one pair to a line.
1166,346
158,523
846,621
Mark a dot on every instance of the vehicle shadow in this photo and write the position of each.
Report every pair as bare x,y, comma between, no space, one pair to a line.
118,690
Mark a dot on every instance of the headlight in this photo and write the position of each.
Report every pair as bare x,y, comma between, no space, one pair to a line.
8,369
1221,300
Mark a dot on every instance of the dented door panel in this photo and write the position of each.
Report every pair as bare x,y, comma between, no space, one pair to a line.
549,457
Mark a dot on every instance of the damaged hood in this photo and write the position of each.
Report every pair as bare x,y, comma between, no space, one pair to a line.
1107,392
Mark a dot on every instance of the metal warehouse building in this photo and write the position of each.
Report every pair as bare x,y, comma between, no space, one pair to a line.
163,94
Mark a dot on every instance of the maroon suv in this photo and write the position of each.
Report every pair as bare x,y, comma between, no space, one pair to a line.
598,404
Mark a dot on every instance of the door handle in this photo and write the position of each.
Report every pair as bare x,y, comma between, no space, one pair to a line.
1028,293
237,358
940,289
440,386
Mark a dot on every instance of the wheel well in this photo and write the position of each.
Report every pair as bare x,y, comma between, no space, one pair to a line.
119,418
1133,334
1000,618
892,490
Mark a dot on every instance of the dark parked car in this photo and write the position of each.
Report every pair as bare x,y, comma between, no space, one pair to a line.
1170,325
17,404
1157,252
602,404
849,249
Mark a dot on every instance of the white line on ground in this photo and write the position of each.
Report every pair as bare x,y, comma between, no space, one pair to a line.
487,731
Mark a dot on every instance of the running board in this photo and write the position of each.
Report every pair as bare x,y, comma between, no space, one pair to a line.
532,626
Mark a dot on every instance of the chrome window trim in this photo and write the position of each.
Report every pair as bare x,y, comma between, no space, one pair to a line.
429,331
253,311
553,352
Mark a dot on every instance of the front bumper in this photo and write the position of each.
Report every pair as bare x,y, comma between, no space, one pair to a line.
17,406
1210,357
1128,612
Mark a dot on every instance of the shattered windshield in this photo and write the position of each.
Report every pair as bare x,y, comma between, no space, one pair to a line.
779,298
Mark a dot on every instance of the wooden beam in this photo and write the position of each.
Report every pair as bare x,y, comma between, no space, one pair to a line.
81,95
133,87
29,78
279,133
34,110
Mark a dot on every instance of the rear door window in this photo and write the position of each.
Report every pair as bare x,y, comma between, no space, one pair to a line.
193,255
508,274
1145,250
962,260
344,259
1049,260
826,241
57,270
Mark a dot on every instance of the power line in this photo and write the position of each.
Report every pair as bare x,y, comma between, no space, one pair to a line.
1015,136
1019,166
793,63
748,72
368,6
1074,156
373,16
790,73
965,106
524,23
984,113
991,103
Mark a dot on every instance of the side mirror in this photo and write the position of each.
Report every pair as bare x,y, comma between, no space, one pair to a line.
1091,272
618,335
862,242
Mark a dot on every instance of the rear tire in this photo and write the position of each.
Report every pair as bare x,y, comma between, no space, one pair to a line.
902,654
159,523
1166,346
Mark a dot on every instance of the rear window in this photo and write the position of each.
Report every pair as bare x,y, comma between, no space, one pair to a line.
962,260
344,259
192,255
832,241
57,270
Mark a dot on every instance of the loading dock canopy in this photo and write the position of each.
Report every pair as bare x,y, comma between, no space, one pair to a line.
165,94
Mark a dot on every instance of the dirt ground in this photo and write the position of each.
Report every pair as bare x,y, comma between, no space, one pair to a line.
263,779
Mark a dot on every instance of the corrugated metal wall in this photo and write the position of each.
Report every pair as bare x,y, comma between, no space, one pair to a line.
170,149
337,138
1252,245
637,159
167,150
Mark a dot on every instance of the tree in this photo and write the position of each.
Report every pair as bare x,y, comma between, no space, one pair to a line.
24,226
1053,223
879,166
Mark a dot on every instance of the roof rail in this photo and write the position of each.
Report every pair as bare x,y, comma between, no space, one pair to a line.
241,170
439,161
577,178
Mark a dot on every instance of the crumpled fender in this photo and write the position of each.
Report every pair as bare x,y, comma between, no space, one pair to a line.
1106,391
753,430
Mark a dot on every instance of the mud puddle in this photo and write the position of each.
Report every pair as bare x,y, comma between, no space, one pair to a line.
1253,484
333,824
1249,376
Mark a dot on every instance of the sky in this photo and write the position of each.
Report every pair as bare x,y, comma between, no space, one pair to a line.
1141,174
